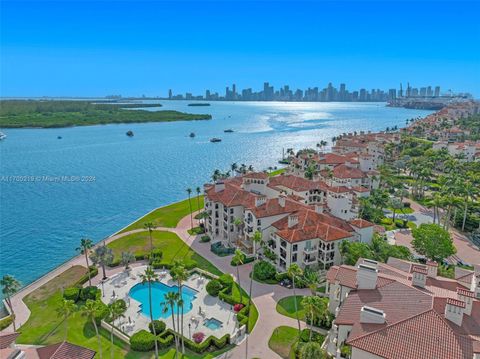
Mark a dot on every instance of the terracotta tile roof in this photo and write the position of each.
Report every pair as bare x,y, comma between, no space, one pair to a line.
360,223
232,195
419,269
343,171
312,225
65,350
338,189
360,189
272,207
7,338
297,184
422,336
256,175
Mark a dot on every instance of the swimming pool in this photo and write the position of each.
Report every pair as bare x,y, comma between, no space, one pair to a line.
213,324
139,292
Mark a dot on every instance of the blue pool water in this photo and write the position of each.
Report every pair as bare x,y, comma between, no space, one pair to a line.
140,293
112,179
213,324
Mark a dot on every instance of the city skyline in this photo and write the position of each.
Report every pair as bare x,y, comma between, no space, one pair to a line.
329,93
134,48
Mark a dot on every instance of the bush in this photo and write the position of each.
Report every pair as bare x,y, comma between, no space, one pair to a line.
210,344
84,279
281,276
71,293
214,287
238,307
205,239
264,270
142,341
245,260
188,263
120,303
198,337
92,293
316,337
6,321
196,230
156,254
220,250
159,326
102,312
226,280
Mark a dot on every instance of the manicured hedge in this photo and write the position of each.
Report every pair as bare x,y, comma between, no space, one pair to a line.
188,263
84,279
92,293
102,312
159,326
6,321
71,293
214,287
242,316
142,341
220,250
205,239
226,280
210,344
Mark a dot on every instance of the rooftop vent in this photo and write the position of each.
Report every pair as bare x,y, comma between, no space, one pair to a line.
366,277
372,315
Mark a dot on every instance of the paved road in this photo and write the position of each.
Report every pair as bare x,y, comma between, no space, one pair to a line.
264,296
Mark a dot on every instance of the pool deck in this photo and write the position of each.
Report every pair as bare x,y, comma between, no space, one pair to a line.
264,296
118,287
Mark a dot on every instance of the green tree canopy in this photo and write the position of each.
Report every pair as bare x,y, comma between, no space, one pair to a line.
433,241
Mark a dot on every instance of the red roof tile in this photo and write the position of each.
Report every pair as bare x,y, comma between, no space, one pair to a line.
65,350
7,338
360,223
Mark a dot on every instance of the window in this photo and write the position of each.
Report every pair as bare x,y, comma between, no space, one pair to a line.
294,257
295,247
231,210
259,222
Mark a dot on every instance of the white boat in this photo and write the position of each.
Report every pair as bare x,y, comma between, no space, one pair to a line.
2,136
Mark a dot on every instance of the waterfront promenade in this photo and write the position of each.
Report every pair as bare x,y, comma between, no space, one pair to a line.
264,296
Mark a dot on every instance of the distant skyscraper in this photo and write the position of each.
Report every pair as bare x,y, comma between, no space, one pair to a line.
437,91
207,95
170,94
234,92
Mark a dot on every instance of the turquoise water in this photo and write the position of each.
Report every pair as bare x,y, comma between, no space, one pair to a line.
213,324
111,179
140,293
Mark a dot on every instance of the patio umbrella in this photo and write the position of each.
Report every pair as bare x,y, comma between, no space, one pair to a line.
113,294
199,310
129,320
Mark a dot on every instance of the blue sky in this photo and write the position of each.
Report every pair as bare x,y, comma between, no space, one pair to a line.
67,48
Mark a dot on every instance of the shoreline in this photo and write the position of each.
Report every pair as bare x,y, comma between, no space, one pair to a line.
79,256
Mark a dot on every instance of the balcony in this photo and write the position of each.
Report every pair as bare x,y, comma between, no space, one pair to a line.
312,249
309,260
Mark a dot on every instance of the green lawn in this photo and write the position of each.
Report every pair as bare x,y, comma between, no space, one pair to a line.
45,327
277,172
282,340
286,306
405,210
167,216
169,243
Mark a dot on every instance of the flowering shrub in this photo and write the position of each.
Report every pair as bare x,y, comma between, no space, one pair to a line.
238,307
198,337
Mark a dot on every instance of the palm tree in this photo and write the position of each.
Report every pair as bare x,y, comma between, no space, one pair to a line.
149,276
234,167
66,308
469,191
85,247
90,310
396,205
311,311
114,311
295,271
180,274
237,223
150,226
103,256
238,258
216,175
189,191
171,298
198,190
312,279
127,258
312,350
10,286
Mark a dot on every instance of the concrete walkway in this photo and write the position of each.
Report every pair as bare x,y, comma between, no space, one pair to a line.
264,296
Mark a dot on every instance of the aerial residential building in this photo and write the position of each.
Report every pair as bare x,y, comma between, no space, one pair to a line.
402,310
